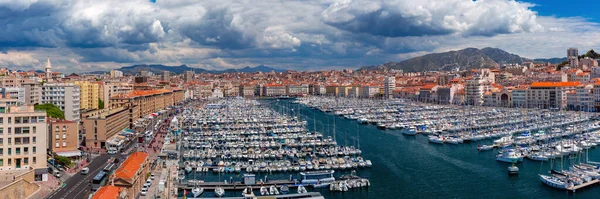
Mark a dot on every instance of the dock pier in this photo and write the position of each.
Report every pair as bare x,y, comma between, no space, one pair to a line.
574,188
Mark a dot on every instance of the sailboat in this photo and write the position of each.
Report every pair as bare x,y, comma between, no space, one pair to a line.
196,191
219,191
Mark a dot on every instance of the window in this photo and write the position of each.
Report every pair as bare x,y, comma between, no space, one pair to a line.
57,136
26,161
1,130
18,130
9,161
17,120
41,119
18,151
9,141
9,151
1,151
9,130
9,120
25,130
33,119
64,128
33,150
34,139
57,145
56,129
34,128
64,144
25,120
1,120
33,160
25,150
64,136
2,109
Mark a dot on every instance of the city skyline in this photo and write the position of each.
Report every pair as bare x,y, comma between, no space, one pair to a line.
87,36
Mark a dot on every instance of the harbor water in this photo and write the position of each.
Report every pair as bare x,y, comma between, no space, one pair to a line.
410,167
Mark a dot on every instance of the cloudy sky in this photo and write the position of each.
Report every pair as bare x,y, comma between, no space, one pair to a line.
86,35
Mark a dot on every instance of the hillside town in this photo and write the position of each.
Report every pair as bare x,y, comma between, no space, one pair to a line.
123,119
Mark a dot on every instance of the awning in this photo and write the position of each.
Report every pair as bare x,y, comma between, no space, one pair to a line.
69,153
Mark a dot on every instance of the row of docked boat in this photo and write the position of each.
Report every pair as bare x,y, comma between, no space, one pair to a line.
243,136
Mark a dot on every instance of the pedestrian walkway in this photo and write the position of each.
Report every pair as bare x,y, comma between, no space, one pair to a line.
47,187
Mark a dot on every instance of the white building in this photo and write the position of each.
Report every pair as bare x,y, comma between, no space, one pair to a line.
549,94
298,90
64,95
368,91
389,86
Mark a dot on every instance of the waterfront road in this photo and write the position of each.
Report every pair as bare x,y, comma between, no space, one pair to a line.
78,186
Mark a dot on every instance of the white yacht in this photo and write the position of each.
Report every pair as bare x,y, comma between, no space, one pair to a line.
555,182
509,156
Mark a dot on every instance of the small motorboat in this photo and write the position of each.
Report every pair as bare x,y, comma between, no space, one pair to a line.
219,192
284,189
264,191
485,147
301,189
513,170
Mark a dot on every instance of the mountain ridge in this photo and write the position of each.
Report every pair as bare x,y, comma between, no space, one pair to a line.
464,59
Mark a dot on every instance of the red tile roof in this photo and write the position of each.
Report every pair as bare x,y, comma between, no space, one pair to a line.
107,192
555,84
131,165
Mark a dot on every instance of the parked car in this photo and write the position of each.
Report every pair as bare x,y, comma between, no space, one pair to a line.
85,171
151,176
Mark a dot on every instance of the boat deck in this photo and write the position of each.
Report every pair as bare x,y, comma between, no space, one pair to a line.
237,185
574,188
309,195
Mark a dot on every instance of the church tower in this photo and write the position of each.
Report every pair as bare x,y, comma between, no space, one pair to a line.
48,72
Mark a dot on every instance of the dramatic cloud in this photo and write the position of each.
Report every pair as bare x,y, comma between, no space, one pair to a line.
88,35
397,18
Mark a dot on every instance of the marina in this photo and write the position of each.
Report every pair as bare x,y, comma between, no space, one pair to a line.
238,138
534,144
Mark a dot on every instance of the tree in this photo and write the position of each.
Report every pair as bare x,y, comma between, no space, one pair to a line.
62,160
51,110
100,104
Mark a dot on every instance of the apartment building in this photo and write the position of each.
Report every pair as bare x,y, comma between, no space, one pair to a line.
33,92
131,175
64,95
273,90
142,103
247,90
16,93
549,94
63,137
115,74
297,89
89,95
389,86
99,128
368,90
22,138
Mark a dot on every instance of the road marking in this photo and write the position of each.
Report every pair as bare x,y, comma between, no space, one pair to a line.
81,181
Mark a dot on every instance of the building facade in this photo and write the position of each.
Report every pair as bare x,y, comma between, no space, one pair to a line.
64,95
22,138
63,137
131,175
